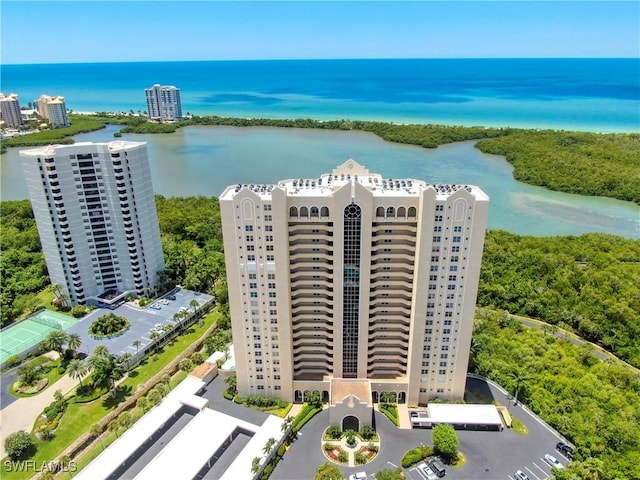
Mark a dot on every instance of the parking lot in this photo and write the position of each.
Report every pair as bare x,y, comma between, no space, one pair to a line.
490,455
143,321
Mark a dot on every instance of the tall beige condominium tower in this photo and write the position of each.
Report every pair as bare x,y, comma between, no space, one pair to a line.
353,276
53,109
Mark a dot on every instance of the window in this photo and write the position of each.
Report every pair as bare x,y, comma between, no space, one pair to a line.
248,228
451,287
453,278
271,276
455,249
269,248
251,258
252,276
437,228
433,278
435,258
453,268
253,285
267,218
436,239
456,239
270,258
268,228
439,208
454,258
434,268
249,238
457,228
267,207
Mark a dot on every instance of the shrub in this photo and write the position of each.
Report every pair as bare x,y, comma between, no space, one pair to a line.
47,434
334,431
343,457
328,447
109,325
19,445
360,458
12,361
367,432
416,455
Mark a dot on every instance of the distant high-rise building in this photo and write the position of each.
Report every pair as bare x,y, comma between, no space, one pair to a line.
96,215
351,277
163,103
53,109
10,110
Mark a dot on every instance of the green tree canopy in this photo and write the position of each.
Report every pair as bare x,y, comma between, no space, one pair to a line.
445,441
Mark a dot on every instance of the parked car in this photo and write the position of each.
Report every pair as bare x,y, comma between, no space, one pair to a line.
565,449
426,471
553,461
358,476
437,466
171,297
520,475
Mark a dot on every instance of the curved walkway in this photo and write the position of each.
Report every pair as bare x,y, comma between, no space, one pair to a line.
22,413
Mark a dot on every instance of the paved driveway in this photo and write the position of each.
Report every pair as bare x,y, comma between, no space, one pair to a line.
490,455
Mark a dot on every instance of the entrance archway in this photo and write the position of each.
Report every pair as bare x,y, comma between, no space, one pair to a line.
350,423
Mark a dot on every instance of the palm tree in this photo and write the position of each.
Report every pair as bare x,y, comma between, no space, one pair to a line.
105,373
195,304
124,360
99,353
55,341
255,465
137,343
268,446
154,338
73,342
520,375
77,369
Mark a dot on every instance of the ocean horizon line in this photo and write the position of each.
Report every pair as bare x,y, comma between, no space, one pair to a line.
264,60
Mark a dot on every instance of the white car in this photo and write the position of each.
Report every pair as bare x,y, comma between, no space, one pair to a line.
426,471
358,476
553,461
520,475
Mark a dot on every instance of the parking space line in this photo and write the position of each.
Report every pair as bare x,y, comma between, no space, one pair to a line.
543,471
510,477
527,468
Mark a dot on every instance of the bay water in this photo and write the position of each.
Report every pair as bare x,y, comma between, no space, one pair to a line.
204,160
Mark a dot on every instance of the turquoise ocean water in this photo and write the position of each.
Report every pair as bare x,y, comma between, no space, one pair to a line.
595,95
570,94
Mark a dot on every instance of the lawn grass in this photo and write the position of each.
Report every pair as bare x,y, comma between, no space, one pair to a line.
519,427
53,375
78,418
156,362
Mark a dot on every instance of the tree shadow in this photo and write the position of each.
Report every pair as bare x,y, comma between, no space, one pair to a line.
133,374
122,392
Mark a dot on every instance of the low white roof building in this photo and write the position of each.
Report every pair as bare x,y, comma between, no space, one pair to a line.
460,414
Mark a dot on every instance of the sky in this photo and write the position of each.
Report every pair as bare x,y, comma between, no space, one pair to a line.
125,31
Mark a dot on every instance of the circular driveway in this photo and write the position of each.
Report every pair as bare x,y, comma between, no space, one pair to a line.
490,455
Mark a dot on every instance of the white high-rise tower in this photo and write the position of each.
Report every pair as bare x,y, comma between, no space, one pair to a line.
96,215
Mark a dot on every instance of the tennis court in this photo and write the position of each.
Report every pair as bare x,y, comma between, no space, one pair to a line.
29,332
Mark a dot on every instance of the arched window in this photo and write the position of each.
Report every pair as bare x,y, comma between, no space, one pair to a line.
391,212
293,212
402,212
412,212
324,212
380,212
315,212
304,212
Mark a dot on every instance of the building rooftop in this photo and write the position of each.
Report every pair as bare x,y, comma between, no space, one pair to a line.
349,173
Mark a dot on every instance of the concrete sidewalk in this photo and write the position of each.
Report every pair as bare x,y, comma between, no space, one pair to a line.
21,414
